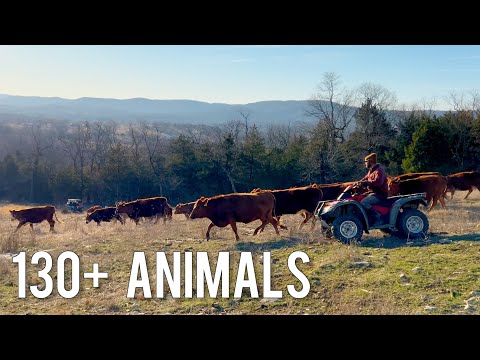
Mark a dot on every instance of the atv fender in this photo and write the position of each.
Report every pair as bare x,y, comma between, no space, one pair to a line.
351,204
414,200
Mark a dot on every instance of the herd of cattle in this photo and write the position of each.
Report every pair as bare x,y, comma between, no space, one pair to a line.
265,205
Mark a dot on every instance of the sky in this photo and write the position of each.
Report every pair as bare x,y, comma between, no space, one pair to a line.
237,74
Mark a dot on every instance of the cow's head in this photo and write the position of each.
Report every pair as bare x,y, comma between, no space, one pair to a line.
14,214
393,187
199,209
88,218
450,185
168,212
119,206
178,209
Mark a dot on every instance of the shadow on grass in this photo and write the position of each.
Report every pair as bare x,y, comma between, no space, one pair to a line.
271,245
394,242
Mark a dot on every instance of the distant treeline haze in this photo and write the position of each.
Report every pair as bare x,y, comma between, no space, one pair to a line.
103,162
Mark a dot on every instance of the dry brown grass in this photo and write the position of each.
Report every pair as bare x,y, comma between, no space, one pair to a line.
337,286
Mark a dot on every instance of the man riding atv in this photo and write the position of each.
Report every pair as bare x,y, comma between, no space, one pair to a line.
376,183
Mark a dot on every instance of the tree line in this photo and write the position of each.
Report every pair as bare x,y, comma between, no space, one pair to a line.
104,162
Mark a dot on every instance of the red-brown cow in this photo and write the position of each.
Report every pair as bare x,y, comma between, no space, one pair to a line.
433,185
223,210
412,176
185,209
35,215
332,191
463,181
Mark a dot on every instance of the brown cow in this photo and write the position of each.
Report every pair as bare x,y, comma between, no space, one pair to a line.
463,181
296,200
412,176
185,209
148,207
332,191
433,185
35,215
223,210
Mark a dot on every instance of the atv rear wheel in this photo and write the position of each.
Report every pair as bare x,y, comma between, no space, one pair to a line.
347,228
412,223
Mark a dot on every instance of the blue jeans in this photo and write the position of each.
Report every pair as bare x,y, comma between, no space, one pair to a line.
371,199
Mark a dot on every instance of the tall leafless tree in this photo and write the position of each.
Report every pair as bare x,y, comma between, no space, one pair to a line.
40,141
334,105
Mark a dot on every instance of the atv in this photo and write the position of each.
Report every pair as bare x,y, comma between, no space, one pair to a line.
345,218
74,205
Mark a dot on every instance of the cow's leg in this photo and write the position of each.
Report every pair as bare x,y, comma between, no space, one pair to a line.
277,218
270,219
31,226
470,189
98,222
442,202
52,225
308,216
233,224
261,227
207,235
314,221
186,216
451,193
119,218
274,223
20,224
434,202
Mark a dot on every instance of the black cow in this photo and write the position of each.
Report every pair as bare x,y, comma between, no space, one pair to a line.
106,214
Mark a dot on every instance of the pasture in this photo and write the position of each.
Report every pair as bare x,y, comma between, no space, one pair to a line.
381,275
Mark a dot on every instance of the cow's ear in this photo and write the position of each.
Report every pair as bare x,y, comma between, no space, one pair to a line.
12,211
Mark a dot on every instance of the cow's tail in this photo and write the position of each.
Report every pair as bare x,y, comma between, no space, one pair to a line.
55,213
274,206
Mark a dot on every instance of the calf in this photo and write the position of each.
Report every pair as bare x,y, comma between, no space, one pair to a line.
93,208
185,209
106,214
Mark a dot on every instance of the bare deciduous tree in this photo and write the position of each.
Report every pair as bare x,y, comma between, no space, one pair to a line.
333,105
468,101
383,98
153,139
40,141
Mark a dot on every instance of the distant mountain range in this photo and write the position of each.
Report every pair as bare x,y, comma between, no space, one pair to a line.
139,109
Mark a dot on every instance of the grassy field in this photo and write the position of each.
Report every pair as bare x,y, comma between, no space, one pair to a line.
381,275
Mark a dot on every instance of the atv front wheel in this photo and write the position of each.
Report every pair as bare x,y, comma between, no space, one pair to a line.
412,223
347,228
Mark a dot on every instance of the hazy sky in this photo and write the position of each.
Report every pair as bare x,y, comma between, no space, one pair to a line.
234,74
